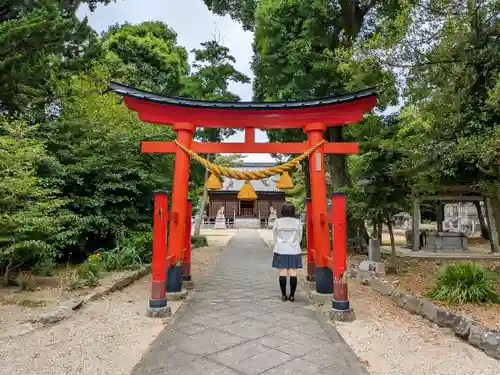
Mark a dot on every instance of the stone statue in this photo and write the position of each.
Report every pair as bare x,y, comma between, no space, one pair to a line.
220,220
220,212
272,217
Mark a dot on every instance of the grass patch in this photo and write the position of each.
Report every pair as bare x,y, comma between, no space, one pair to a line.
463,283
22,302
45,267
198,241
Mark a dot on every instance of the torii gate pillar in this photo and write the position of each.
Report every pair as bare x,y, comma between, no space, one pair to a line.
185,131
324,276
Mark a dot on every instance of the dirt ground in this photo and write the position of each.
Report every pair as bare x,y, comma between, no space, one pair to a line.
419,276
105,337
390,341
17,307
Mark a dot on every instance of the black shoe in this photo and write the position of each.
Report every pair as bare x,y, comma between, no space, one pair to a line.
284,298
291,298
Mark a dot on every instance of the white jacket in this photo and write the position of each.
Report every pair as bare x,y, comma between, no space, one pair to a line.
287,235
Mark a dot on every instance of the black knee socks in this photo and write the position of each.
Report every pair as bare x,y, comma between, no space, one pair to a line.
283,285
293,285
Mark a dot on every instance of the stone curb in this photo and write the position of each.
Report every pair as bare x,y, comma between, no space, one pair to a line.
463,326
68,308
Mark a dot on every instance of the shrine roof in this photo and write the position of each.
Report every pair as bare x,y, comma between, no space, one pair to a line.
335,110
267,185
185,102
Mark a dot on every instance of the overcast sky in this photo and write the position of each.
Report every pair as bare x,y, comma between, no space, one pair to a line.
194,24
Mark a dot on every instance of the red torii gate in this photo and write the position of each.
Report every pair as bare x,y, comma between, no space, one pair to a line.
313,116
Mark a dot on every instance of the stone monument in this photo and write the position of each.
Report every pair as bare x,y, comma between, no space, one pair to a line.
272,218
220,220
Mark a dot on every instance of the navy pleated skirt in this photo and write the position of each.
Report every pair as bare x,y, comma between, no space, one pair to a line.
287,261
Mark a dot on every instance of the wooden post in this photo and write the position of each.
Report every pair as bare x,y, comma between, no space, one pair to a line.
341,309
186,262
311,266
339,240
158,300
180,191
319,210
492,226
416,225
440,216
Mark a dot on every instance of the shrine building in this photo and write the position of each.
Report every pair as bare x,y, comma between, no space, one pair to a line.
245,213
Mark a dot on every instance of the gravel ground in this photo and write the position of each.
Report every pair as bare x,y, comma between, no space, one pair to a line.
106,337
392,341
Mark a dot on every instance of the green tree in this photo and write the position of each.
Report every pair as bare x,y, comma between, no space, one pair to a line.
99,167
40,41
33,223
380,183
352,18
460,114
146,56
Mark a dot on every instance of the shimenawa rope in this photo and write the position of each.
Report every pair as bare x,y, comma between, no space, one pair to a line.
248,175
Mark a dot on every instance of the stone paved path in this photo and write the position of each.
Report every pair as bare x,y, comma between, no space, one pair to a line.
236,323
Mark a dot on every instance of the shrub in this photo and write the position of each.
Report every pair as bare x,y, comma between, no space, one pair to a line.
198,241
89,272
465,282
125,256
44,267
143,242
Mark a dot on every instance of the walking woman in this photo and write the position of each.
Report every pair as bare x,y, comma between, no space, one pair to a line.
287,258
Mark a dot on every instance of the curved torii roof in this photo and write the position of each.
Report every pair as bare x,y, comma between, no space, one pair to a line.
337,110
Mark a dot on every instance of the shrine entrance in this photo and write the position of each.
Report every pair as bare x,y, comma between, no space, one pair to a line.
326,263
247,208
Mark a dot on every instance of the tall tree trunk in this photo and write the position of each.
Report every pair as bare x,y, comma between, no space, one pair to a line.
7,273
393,265
380,228
201,206
338,162
485,233
495,206
307,178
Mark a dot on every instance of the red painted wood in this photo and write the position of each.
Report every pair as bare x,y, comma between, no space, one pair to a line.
336,114
186,262
180,190
159,256
311,267
339,242
340,289
250,136
245,148
318,194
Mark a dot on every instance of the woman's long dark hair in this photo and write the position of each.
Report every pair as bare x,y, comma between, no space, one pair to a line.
288,210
